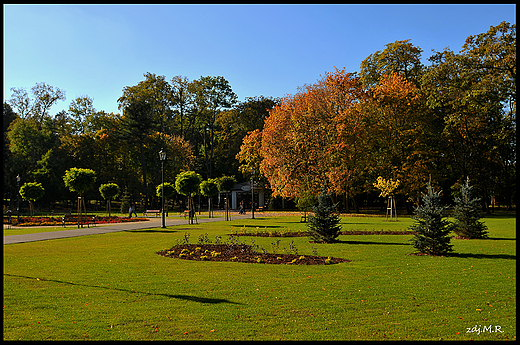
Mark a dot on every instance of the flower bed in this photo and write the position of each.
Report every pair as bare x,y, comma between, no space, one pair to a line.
55,221
243,253
286,232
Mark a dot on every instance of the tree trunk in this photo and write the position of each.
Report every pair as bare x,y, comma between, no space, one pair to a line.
143,168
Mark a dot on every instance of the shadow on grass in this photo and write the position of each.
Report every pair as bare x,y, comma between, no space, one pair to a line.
483,256
500,238
183,297
371,242
256,226
152,230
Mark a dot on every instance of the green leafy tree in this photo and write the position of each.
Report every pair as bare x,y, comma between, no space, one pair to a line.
109,191
225,184
136,125
187,183
32,191
209,189
467,214
431,228
169,192
82,111
324,226
45,96
399,57
211,96
235,124
474,94
79,180
305,201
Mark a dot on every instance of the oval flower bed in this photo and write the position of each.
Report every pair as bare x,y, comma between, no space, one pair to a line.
55,221
242,253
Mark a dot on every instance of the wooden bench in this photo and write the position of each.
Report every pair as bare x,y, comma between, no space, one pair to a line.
157,212
85,219
61,212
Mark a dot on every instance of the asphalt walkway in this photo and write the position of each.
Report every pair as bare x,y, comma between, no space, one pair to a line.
103,229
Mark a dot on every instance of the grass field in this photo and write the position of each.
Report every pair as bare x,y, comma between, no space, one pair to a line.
115,287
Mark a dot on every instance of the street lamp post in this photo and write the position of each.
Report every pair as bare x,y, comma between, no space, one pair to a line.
162,157
18,197
252,193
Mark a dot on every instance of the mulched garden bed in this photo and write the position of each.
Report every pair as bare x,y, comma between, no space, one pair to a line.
306,234
242,253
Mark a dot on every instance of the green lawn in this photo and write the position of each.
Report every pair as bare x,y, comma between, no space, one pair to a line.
114,287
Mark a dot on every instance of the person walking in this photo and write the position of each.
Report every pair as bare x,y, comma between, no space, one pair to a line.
132,210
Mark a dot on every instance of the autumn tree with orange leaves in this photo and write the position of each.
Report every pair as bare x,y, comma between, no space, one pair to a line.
307,139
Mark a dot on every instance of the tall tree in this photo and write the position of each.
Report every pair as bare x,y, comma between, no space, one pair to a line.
155,91
474,92
233,126
137,123
306,141
81,110
181,100
45,96
400,57
211,96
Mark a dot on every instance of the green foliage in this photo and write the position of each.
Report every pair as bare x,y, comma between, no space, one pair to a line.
109,191
209,188
324,226
432,229
400,57
125,201
225,183
305,202
32,191
169,190
79,180
467,214
187,183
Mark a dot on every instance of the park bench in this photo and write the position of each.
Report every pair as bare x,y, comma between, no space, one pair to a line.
156,212
186,213
61,212
85,219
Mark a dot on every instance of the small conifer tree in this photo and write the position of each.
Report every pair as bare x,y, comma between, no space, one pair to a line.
431,228
467,214
125,201
324,226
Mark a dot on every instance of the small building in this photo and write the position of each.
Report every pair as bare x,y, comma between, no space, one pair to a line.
242,192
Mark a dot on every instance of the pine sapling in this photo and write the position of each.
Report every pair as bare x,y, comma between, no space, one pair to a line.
431,228
324,226
467,214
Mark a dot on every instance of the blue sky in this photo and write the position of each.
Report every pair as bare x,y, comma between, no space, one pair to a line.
268,50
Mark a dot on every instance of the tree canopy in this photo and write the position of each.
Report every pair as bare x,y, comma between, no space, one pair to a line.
396,118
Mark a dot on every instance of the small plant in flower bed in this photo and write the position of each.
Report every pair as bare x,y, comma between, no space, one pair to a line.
240,252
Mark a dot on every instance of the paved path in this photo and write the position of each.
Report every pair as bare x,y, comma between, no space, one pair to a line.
102,229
